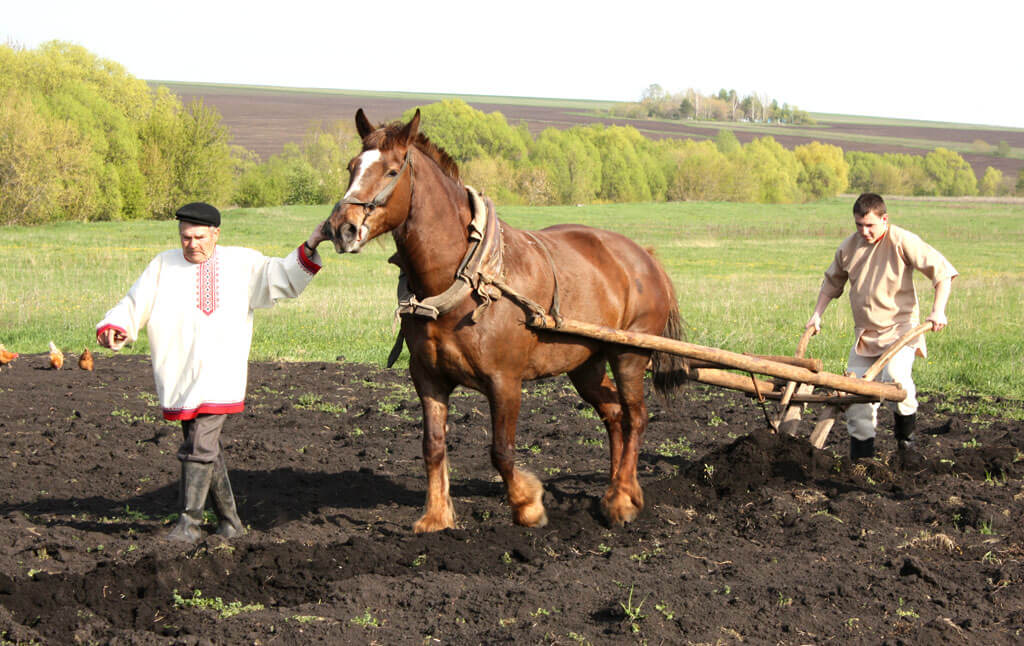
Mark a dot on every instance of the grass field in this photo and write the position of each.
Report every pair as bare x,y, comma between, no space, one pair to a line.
747,277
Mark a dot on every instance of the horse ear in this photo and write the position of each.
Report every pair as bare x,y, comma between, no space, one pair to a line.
412,128
363,125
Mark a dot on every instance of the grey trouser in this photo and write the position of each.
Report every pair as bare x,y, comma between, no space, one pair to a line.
202,438
861,418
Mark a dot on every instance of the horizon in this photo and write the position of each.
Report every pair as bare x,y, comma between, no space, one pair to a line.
879,59
403,93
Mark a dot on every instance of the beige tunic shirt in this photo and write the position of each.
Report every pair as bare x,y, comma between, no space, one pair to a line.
882,294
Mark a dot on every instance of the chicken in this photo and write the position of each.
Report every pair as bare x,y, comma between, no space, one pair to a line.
6,356
56,357
85,360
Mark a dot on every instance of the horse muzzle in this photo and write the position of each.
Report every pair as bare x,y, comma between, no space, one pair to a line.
350,237
347,236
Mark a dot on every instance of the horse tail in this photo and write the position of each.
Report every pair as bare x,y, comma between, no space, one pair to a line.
671,371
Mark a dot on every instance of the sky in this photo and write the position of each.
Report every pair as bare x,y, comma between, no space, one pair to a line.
894,58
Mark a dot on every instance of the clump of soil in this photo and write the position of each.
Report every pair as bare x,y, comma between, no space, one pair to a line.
747,536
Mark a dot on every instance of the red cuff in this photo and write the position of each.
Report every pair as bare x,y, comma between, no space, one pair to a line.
307,263
100,331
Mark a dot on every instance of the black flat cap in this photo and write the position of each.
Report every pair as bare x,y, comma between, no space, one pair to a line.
199,213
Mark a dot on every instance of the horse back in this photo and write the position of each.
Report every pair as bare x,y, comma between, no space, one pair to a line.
604,278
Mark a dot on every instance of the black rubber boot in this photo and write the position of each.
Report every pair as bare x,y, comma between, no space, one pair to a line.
862,448
195,478
903,429
224,501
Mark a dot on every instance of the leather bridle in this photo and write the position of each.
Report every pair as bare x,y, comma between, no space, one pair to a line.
385,193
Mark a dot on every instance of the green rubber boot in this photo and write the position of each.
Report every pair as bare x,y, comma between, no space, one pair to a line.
229,525
195,484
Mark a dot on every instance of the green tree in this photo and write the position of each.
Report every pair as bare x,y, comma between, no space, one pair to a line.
775,169
493,176
572,163
44,166
727,143
700,172
951,174
467,133
121,149
686,108
991,182
824,171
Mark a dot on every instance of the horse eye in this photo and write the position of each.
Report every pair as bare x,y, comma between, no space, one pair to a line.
392,172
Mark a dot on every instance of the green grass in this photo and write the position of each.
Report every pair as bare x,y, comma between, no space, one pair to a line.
747,276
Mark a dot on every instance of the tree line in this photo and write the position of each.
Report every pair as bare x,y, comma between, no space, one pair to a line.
80,139
725,106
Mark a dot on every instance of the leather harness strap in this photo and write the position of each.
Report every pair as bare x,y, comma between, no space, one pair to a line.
481,271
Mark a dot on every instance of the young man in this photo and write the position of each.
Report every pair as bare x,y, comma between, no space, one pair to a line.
878,261
197,307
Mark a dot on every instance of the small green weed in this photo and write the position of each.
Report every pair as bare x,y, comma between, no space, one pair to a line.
366,620
312,401
128,418
216,604
633,614
677,448
907,613
665,610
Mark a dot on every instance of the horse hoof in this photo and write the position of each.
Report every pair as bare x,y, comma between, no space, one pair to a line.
619,509
430,524
532,517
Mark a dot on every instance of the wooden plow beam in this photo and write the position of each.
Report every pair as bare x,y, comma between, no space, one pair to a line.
831,412
865,388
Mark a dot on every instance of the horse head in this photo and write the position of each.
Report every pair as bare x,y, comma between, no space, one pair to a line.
380,185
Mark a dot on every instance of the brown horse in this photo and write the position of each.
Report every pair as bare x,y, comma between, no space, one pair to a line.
471,282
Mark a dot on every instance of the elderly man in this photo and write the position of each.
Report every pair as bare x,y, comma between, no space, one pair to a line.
197,307
878,261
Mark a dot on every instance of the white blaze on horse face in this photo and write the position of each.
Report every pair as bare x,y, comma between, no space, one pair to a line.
366,160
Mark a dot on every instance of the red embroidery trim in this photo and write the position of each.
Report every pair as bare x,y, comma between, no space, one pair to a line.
175,414
207,284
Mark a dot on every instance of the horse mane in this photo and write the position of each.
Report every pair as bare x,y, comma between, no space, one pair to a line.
385,137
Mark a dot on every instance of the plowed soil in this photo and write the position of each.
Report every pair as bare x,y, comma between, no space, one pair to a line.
747,537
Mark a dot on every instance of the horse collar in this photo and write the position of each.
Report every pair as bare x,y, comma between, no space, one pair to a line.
482,262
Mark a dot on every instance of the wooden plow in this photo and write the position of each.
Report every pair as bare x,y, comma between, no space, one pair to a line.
796,377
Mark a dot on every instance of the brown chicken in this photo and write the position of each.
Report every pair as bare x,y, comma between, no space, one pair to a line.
6,356
56,357
85,360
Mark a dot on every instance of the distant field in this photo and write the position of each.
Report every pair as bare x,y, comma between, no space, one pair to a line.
264,119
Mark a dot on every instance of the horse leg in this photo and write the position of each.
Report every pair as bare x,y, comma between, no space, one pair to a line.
625,499
434,395
592,383
525,492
